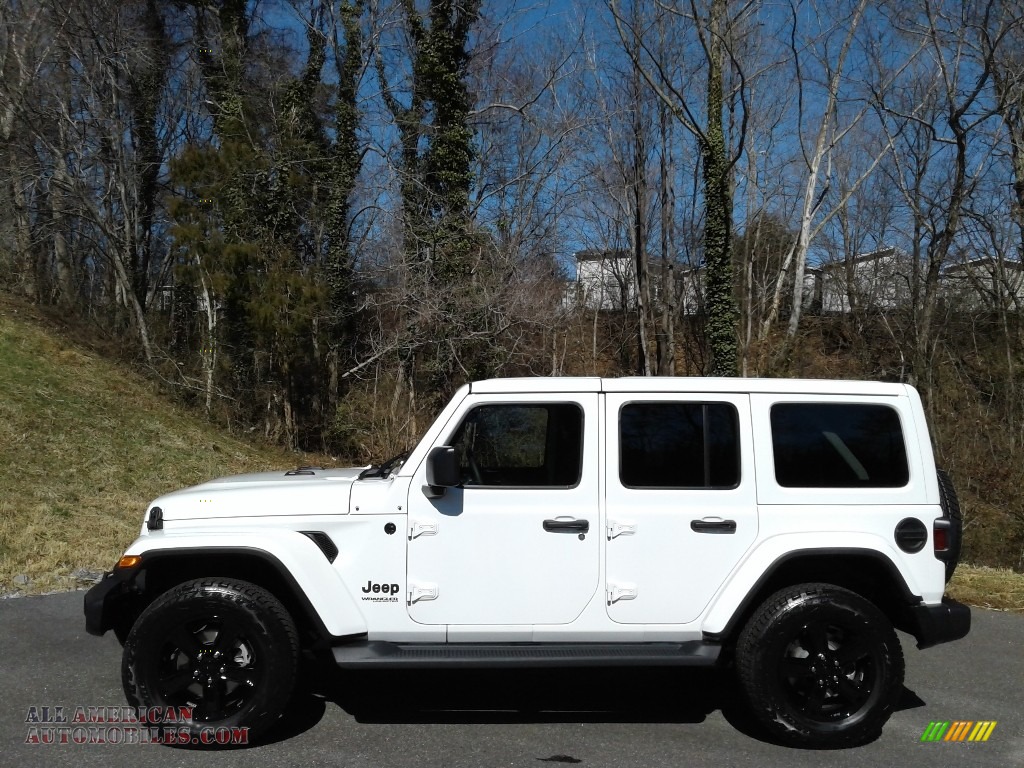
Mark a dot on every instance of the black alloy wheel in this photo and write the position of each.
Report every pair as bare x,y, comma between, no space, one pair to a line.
820,666
224,650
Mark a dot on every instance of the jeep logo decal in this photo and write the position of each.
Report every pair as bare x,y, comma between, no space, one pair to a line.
387,589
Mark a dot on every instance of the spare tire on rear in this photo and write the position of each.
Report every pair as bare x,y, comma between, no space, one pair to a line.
951,511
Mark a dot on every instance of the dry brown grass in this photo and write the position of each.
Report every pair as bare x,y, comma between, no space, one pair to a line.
999,589
84,445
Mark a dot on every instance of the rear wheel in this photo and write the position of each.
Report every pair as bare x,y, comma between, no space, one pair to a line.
224,650
820,666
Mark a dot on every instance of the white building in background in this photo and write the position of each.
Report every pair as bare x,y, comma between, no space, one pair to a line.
605,280
984,284
878,281
884,279
690,290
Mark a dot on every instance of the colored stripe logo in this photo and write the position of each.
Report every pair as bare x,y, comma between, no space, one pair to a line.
958,730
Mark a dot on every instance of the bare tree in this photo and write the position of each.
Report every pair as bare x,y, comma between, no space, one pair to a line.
1003,41
22,55
822,80
938,163
97,133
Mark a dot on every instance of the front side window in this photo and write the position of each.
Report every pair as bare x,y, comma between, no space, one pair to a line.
838,445
521,445
679,445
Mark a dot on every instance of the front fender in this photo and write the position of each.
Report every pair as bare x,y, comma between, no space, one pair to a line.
293,555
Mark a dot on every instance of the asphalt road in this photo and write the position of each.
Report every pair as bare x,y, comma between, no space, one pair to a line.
620,719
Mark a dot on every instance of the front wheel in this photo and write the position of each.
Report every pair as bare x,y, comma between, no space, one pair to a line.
820,666
222,650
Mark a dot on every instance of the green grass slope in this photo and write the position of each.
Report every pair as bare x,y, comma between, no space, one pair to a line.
84,445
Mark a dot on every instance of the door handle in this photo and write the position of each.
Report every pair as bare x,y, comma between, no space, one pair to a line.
713,525
566,525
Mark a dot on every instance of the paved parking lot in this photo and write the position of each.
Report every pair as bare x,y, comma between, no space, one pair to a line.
614,718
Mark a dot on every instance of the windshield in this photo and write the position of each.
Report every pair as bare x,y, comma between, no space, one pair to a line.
386,469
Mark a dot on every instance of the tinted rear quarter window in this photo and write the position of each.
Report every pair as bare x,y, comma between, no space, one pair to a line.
838,445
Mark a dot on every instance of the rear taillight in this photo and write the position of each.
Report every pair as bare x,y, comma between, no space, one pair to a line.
940,535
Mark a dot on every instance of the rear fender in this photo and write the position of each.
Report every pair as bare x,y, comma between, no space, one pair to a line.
756,571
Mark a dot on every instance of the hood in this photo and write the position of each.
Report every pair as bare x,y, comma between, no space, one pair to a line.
290,477
259,494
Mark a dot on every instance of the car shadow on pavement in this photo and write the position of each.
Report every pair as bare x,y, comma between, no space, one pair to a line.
641,695
739,717
474,696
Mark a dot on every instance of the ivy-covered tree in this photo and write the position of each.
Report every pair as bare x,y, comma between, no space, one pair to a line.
344,164
435,166
262,215
714,25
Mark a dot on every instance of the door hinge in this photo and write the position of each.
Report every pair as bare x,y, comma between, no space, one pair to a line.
618,592
615,528
420,592
417,529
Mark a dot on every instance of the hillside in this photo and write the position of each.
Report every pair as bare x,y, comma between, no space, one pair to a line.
84,444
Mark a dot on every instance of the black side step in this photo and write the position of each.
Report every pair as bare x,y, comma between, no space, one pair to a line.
381,655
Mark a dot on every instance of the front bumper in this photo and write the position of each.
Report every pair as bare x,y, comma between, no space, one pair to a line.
943,623
106,600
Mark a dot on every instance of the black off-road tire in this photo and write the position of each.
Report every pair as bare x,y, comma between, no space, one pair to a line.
820,667
951,509
225,649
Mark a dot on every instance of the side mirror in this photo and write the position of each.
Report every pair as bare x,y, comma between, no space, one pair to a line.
442,470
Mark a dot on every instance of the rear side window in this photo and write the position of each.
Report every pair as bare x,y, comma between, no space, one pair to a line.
838,445
679,445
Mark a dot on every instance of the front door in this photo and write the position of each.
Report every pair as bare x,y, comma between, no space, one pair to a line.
519,542
681,502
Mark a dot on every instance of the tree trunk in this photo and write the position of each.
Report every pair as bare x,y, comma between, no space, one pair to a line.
131,301
639,236
24,262
720,301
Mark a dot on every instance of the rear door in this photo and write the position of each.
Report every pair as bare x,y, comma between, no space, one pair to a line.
681,501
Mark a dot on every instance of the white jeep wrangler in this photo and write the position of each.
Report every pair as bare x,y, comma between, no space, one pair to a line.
782,526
